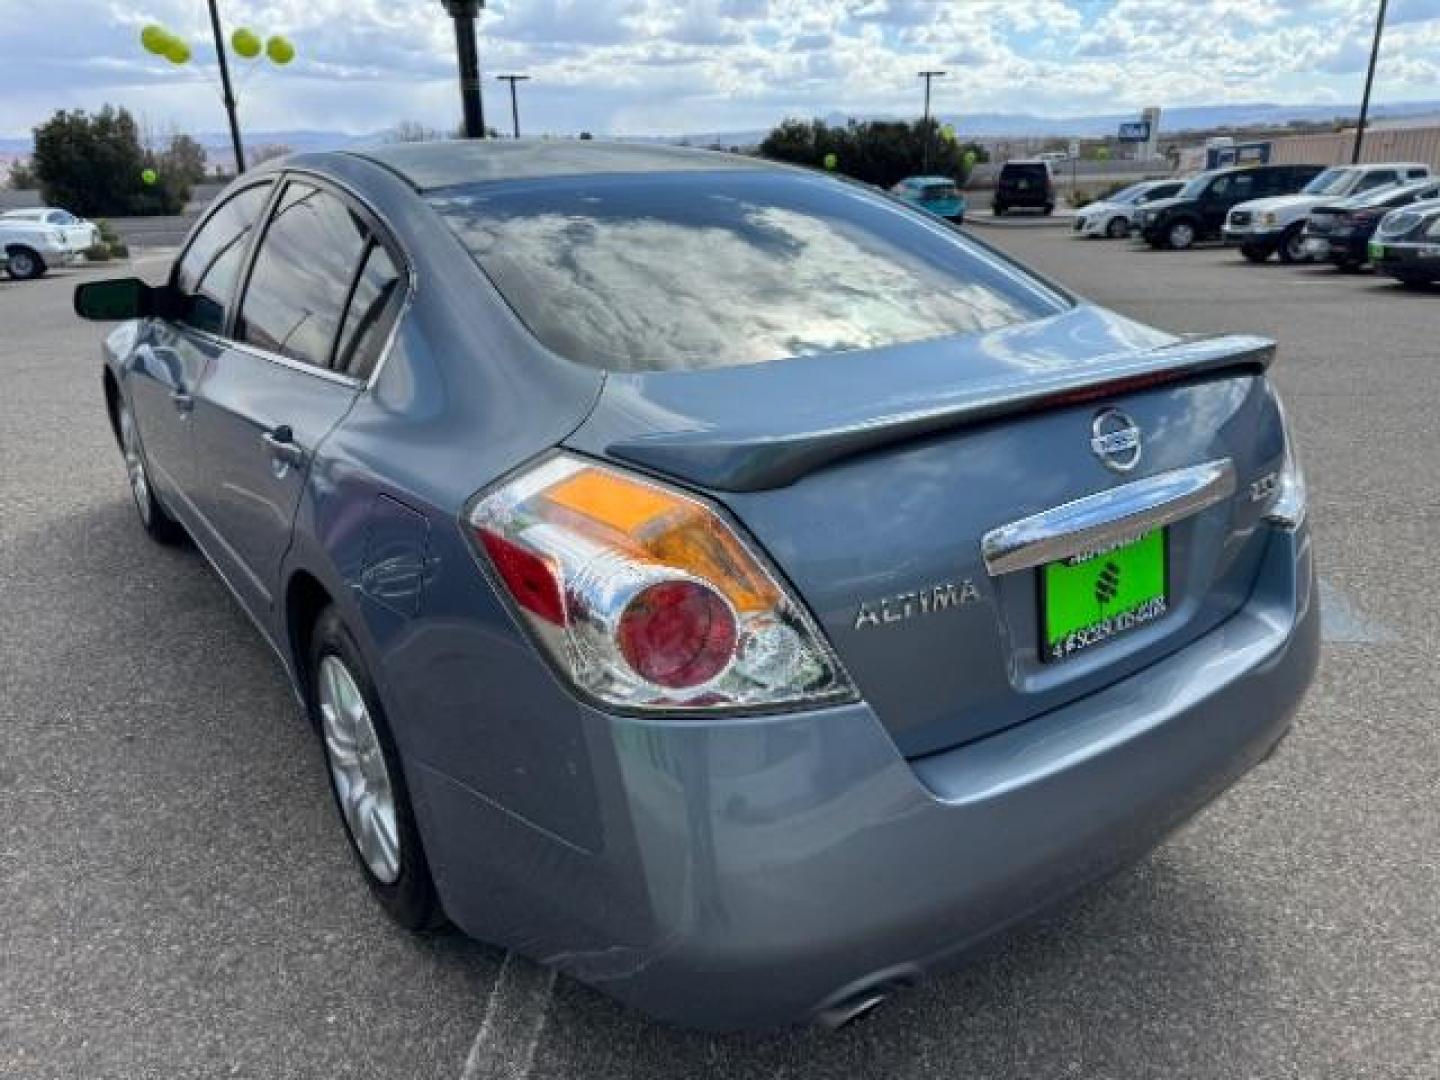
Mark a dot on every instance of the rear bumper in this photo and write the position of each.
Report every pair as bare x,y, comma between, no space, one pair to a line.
756,870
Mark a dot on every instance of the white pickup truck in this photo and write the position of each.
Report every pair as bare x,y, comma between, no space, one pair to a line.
35,240
1264,227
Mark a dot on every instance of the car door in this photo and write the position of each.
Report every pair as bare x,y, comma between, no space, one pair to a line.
77,233
1226,191
171,356
271,396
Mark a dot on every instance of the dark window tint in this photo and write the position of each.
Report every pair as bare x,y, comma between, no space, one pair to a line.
713,269
1371,181
296,296
1033,172
208,270
371,314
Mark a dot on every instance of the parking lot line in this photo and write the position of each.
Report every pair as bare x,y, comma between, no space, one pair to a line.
514,1023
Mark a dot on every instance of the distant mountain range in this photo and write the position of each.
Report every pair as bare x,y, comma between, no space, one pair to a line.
972,125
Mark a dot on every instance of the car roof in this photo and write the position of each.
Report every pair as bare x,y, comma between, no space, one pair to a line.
430,166
30,212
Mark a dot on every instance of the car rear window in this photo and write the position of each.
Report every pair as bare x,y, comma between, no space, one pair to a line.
681,271
1024,172
939,191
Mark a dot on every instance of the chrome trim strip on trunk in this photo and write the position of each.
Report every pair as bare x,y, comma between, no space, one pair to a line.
1106,517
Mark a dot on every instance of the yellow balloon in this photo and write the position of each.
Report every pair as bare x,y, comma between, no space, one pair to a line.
154,38
279,50
246,43
177,52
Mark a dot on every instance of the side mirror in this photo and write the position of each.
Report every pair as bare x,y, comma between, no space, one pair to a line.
124,298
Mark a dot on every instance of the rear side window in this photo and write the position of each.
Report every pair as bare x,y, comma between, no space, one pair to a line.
296,298
1372,180
373,308
715,269
207,272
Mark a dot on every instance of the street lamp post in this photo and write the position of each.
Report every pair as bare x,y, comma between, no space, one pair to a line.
514,106
925,127
1369,81
465,12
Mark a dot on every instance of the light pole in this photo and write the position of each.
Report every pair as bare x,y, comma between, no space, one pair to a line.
514,106
465,12
925,127
1369,81
227,93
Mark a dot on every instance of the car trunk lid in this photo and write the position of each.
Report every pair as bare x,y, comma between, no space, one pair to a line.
879,481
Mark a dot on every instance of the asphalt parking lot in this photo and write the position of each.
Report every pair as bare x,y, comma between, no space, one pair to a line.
178,900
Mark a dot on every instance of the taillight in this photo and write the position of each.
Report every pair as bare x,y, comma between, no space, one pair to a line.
645,597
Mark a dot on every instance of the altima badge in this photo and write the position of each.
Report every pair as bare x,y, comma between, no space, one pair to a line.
907,605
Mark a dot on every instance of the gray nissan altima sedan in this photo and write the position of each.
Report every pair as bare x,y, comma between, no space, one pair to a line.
721,581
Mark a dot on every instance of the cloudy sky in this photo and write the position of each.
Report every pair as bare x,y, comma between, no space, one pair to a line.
673,66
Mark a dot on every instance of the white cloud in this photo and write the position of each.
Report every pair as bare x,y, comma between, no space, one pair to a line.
638,66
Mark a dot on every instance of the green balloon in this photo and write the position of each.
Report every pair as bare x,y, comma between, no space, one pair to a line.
154,38
177,52
279,50
831,161
948,132
969,159
149,176
246,43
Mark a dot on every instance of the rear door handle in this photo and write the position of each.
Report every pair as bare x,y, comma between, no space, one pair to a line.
280,441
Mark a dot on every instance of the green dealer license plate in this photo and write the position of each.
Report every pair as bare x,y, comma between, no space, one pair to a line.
1091,598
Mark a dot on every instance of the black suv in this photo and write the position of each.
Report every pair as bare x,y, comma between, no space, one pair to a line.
1198,212
1026,184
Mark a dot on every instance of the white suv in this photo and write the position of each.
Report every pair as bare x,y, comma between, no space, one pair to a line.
1263,227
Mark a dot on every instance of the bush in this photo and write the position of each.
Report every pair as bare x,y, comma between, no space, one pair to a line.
879,152
92,165
97,252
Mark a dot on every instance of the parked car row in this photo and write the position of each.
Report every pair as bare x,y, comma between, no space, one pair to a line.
34,240
1384,213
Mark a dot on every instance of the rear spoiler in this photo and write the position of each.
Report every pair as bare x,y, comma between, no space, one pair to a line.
758,460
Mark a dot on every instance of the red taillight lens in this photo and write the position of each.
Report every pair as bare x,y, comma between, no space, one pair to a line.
530,578
645,596
677,634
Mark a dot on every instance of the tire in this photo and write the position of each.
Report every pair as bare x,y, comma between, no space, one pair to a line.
1049,209
1292,248
154,519
998,209
25,264
1180,235
1118,229
366,779
1254,254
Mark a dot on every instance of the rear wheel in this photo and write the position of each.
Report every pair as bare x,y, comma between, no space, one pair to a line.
1180,235
158,524
1118,229
998,209
1049,209
1292,247
366,779
25,264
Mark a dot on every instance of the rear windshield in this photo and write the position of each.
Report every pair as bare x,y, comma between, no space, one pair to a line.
680,271
1024,172
939,191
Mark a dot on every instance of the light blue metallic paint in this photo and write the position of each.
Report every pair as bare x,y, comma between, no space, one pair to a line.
746,871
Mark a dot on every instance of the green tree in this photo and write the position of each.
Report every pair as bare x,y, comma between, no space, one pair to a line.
879,152
22,176
184,158
92,165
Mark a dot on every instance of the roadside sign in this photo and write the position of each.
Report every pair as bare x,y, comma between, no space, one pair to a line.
1139,131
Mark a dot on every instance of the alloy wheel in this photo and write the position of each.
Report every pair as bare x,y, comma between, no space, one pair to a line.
357,765
1182,235
22,265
